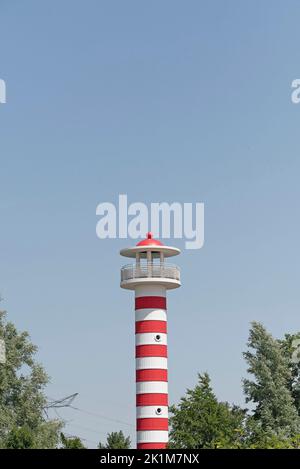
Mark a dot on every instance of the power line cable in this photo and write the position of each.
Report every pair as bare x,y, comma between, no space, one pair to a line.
104,417
67,402
86,428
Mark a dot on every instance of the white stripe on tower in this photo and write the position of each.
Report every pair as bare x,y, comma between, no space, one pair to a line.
151,367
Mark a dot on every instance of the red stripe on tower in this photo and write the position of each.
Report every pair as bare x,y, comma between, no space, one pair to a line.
152,399
151,351
151,326
151,375
143,302
151,445
152,424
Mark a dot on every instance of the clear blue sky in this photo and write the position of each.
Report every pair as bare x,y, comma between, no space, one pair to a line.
97,91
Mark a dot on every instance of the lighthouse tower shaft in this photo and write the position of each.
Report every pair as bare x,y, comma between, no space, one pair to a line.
151,367
150,278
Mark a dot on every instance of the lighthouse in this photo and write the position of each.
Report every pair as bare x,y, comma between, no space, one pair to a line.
150,277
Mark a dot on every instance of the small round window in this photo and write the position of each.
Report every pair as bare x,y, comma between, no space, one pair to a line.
158,338
158,411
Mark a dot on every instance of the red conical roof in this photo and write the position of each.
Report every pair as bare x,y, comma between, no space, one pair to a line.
150,241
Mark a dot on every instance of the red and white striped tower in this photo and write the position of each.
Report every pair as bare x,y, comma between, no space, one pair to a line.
150,277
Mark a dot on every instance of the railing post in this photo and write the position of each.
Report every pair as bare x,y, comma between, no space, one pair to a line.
162,267
138,265
149,266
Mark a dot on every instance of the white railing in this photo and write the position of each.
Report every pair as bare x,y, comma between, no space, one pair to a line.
151,270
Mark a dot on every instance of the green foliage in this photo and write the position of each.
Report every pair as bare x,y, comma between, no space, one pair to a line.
291,352
200,421
275,413
71,442
22,400
116,440
257,438
20,438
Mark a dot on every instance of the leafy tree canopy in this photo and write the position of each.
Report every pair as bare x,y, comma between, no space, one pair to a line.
71,442
270,387
116,440
22,398
201,421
